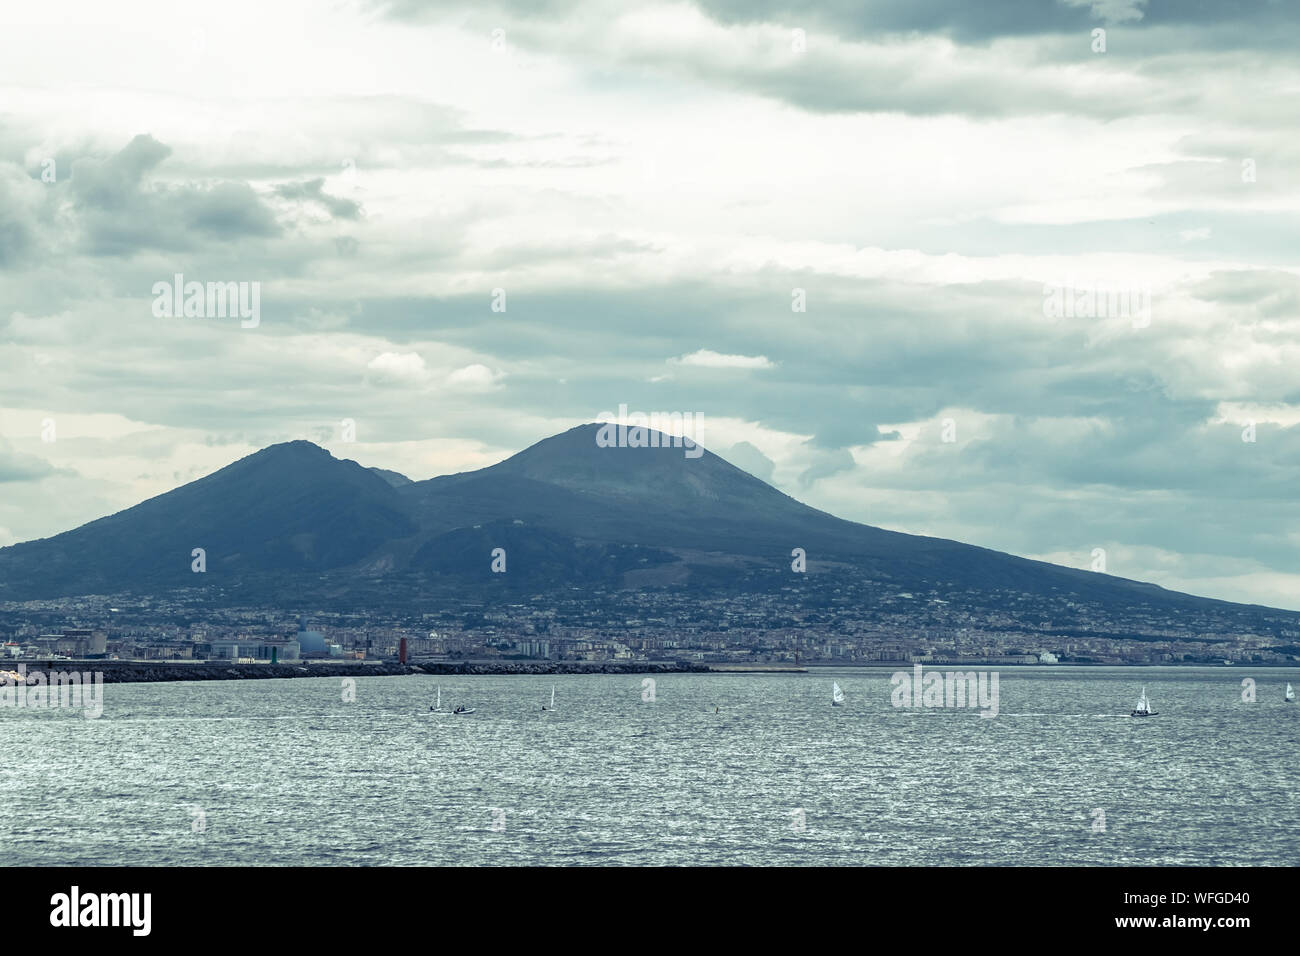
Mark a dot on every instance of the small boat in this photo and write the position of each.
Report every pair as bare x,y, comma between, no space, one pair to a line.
437,709
1290,694
837,695
1143,708
552,707
462,711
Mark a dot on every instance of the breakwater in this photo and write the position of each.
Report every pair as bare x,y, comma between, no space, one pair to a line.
560,667
135,672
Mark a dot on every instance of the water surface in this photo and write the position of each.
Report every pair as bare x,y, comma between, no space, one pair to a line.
753,769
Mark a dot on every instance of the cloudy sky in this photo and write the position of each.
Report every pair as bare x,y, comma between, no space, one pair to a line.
655,189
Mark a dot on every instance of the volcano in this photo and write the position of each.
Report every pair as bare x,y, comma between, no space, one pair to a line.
567,512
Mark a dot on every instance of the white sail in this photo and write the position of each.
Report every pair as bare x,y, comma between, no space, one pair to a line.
1290,694
837,695
1143,703
440,697
552,698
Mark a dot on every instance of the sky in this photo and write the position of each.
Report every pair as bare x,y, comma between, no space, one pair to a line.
840,233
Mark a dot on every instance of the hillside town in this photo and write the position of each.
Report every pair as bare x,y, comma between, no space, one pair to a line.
796,627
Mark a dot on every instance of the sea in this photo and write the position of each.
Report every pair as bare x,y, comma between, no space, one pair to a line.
750,769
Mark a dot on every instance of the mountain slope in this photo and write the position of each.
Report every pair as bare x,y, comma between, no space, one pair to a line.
288,508
657,498
292,518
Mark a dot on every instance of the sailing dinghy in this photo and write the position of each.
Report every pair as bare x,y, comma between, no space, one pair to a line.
1143,708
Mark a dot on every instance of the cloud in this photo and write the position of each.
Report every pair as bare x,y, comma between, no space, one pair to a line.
706,358
397,366
18,229
747,457
920,57
121,212
826,464
474,378
314,191
16,467
1112,11
114,183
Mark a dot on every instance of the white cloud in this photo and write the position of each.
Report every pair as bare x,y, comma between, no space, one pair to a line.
1112,11
474,378
399,365
707,358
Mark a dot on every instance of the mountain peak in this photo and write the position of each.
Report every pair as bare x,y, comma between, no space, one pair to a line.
595,437
298,447
598,458
644,469
288,460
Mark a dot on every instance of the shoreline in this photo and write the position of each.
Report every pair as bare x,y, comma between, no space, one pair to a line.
150,672
143,672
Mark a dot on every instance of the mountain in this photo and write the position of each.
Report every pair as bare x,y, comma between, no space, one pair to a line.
288,508
291,522
705,517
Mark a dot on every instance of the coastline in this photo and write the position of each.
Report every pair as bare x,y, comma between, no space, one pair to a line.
140,672
144,672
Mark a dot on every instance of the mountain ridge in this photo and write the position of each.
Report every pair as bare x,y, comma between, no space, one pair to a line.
567,510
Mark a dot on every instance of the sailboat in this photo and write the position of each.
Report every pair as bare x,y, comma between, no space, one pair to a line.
552,707
438,709
1143,708
1290,694
837,695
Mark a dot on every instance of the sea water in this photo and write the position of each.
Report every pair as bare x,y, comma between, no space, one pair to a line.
724,769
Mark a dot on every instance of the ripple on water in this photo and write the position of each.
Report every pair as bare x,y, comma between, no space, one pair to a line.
719,769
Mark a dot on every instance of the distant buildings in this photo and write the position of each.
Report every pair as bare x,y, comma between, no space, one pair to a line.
849,623
223,650
72,642
278,649
532,648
